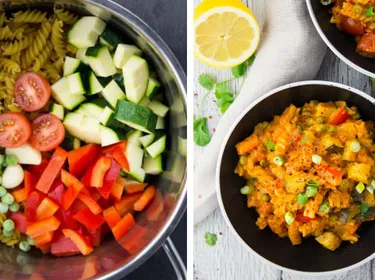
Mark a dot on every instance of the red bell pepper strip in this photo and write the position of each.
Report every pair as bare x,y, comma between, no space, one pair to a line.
88,219
66,218
335,172
110,179
134,186
79,240
53,169
155,209
111,216
63,246
127,202
43,239
100,169
29,182
37,170
95,236
32,203
80,158
56,192
74,187
19,220
43,226
90,203
118,188
109,150
46,209
145,199
123,226
134,240
19,195
339,116
121,158
303,219
95,194
86,179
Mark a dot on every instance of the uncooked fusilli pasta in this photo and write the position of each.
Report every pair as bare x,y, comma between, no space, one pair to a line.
42,57
30,16
9,66
66,16
58,39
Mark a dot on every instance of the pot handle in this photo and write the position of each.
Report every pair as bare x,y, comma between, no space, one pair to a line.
175,259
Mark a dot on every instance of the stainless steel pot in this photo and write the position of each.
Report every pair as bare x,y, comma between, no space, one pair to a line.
110,261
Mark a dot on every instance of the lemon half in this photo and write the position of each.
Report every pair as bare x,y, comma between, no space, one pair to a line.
226,33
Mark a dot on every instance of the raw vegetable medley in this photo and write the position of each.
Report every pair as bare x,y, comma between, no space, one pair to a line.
311,172
78,172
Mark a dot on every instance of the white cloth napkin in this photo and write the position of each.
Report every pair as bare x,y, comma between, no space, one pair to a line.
290,51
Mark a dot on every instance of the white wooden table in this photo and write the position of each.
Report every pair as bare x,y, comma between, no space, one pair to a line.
229,260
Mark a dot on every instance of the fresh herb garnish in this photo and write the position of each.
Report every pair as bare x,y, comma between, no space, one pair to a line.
239,70
206,81
224,100
210,238
201,136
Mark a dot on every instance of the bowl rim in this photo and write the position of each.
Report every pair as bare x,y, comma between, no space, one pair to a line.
219,162
332,48
180,76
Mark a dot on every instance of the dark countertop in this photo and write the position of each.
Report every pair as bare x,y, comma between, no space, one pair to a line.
168,19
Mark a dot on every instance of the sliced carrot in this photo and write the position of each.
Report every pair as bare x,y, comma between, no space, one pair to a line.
43,226
90,203
134,186
29,182
46,209
79,240
74,187
145,199
53,169
19,195
43,239
111,216
118,188
127,202
247,145
123,226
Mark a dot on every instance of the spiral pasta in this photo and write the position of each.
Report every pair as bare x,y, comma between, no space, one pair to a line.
71,49
51,73
3,19
17,46
58,39
42,57
66,16
18,34
30,16
12,240
9,66
5,33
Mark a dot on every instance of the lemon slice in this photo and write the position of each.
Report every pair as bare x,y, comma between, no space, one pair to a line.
226,33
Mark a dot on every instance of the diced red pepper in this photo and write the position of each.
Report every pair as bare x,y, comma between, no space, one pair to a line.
90,203
100,169
19,220
32,203
109,150
134,186
64,246
126,204
145,199
89,220
74,187
335,172
134,240
95,236
19,195
303,219
123,226
120,156
95,194
118,188
57,191
43,226
77,206
80,158
66,218
156,207
52,171
91,267
339,116
29,182
37,170
43,239
111,216
46,209
79,240
110,179
86,179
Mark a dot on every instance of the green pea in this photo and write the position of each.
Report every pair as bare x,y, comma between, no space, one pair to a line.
7,233
8,225
3,191
3,208
30,241
14,207
24,246
11,160
7,199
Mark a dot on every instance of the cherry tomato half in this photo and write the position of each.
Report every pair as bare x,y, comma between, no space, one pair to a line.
48,133
32,92
352,27
366,45
15,130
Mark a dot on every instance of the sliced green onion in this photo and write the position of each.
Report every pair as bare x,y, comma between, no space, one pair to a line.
7,199
305,139
364,208
247,190
279,160
355,146
370,188
3,208
289,217
311,191
30,241
14,207
3,191
360,187
263,163
24,246
11,160
326,2
324,207
8,225
302,198
270,145
7,233
370,12
317,159
265,197
312,182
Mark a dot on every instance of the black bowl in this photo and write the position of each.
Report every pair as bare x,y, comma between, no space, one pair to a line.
310,256
341,43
